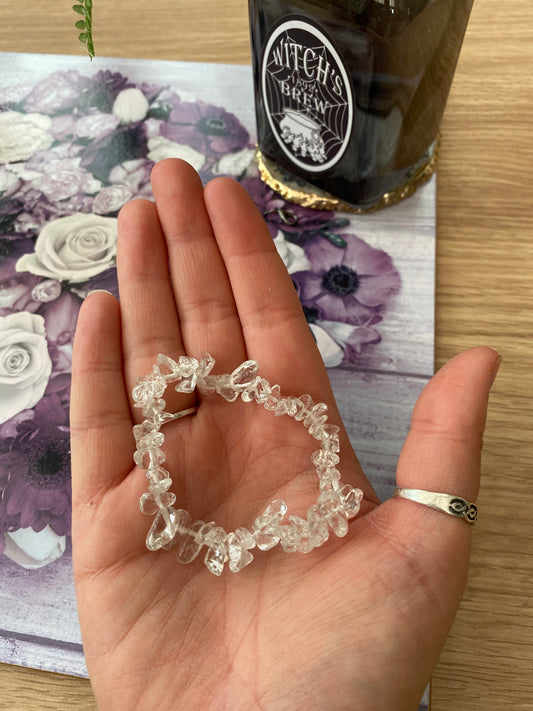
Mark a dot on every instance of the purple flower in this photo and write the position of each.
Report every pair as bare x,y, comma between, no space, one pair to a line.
346,285
37,471
125,144
106,280
102,90
296,222
206,128
58,92
65,179
61,316
351,339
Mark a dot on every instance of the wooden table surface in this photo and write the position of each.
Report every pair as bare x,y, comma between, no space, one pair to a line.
484,296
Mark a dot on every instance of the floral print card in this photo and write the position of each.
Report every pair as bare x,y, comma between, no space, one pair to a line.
77,141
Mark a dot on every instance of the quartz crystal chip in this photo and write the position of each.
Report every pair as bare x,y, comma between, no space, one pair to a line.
324,460
226,390
281,407
217,552
351,499
289,538
162,529
251,391
148,388
181,520
167,364
215,559
148,458
150,504
316,414
204,530
300,410
318,527
316,429
262,391
304,544
159,479
153,409
272,400
330,438
205,366
187,384
293,406
187,365
329,480
265,526
238,556
307,402
245,374
331,507
266,539
207,384
275,511
145,428
150,440
244,537
188,543
212,535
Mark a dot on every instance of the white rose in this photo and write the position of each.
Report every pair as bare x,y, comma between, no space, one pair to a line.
235,163
160,148
130,105
73,248
95,125
25,364
332,354
65,178
111,199
293,256
34,549
9,183
22,135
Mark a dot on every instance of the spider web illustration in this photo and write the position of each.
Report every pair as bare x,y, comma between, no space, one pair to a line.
333,121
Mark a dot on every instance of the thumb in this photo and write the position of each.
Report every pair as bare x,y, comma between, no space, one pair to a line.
443,449
442,453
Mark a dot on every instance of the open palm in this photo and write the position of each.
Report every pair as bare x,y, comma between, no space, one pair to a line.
356,624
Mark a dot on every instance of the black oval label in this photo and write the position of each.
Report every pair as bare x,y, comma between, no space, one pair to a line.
307,94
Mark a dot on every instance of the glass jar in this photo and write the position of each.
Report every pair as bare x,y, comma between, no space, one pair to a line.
349,95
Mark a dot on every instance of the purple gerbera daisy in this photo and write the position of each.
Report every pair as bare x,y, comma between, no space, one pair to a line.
349,284
206,128
281,215
37,470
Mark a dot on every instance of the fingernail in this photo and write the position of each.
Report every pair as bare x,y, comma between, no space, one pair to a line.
495,369
99,291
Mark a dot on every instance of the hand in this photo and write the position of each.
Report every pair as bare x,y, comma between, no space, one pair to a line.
356,624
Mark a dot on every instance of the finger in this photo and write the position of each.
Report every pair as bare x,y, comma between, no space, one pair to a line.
442,453
99,410
206,308
274,327
443,449
149,317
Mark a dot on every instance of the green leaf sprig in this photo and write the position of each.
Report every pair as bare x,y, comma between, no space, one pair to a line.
85,9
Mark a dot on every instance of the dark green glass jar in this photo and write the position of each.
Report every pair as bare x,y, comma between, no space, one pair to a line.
349,95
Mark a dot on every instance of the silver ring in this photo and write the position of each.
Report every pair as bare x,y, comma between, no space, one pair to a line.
184,413
452,505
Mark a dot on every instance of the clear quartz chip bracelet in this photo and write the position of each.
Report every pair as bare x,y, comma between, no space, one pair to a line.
174,528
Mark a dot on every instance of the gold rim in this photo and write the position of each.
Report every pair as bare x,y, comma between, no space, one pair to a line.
311,196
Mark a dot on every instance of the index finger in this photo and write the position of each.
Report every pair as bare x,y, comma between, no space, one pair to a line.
274,327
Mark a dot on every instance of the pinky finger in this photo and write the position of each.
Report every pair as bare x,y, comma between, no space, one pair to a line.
100,417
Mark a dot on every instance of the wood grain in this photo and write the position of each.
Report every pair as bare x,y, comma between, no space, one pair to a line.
484,296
